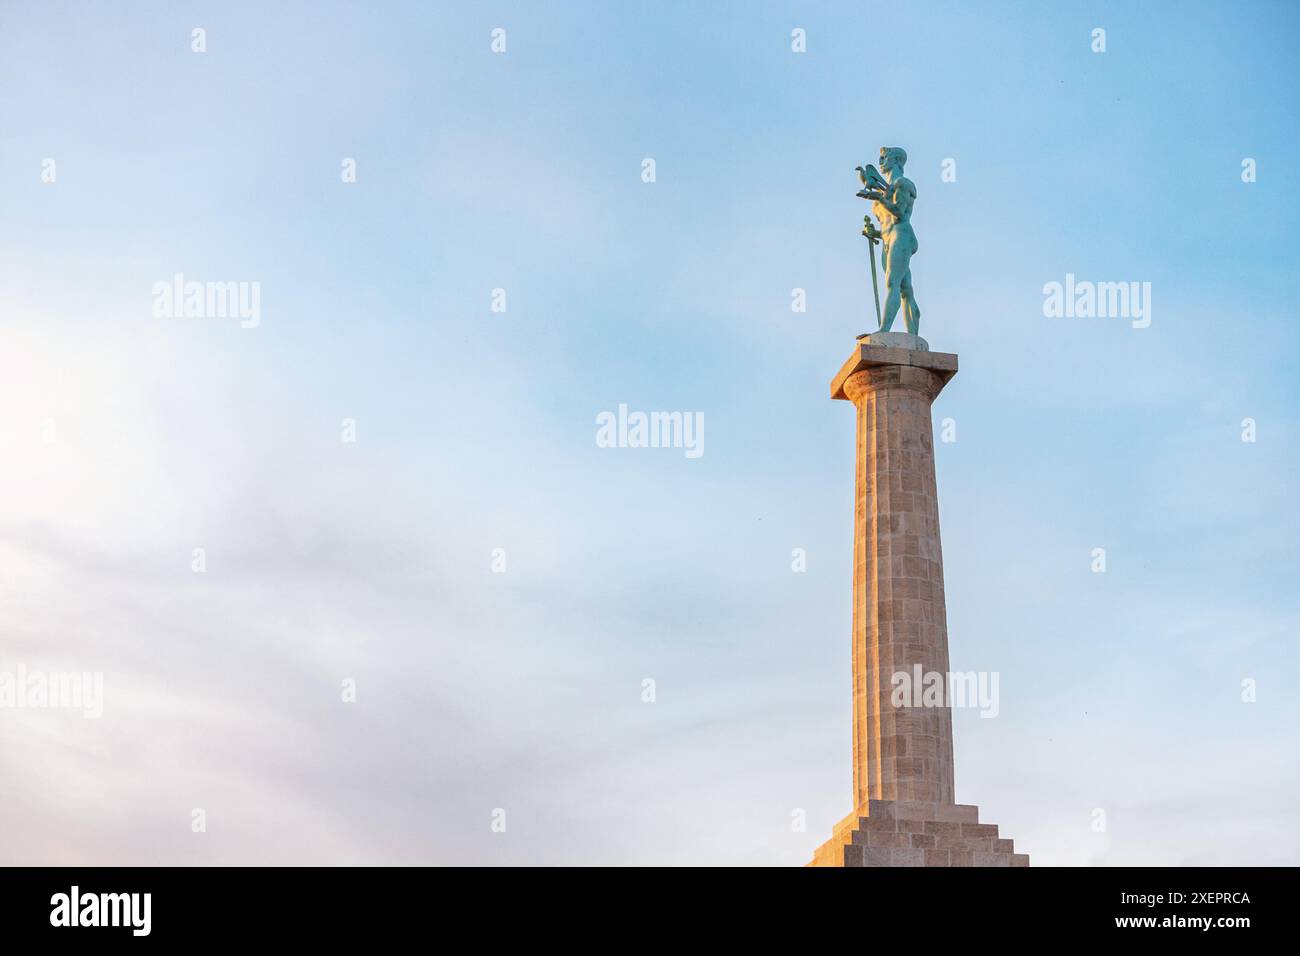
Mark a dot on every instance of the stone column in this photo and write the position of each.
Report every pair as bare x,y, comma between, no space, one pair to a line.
903,810
899,617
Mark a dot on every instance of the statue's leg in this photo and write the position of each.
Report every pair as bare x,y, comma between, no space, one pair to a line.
911,311
893,288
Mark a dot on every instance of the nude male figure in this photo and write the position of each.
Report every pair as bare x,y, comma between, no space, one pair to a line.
892,202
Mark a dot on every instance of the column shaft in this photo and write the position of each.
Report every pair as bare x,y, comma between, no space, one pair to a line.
899,617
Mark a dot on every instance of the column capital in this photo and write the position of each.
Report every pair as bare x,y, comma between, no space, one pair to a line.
878,358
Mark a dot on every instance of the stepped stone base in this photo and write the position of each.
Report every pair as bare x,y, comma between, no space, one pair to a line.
911,833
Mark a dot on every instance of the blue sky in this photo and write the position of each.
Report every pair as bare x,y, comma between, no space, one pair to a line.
372,560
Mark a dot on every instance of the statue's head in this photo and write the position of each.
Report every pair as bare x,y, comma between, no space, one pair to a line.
892,157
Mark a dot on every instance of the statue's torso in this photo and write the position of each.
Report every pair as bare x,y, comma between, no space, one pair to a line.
902,193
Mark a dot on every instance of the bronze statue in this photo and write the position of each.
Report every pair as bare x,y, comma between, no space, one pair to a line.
892,196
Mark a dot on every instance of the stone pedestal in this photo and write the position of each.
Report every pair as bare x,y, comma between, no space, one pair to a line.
909,833
902,752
